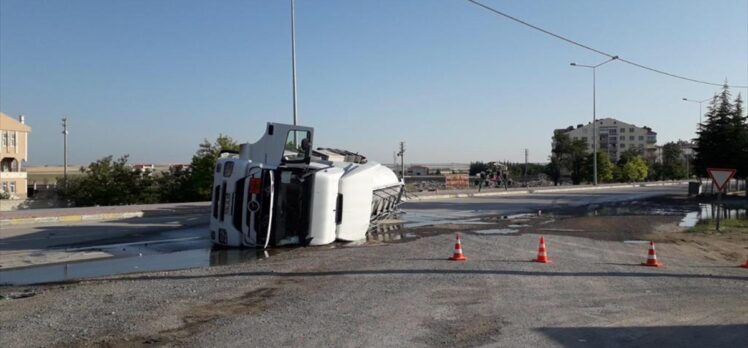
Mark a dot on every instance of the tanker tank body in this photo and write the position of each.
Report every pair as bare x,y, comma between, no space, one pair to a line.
279,191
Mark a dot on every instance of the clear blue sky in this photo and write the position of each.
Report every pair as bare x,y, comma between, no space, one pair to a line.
154,78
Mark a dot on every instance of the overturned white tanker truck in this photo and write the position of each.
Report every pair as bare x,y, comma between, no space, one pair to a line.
280,191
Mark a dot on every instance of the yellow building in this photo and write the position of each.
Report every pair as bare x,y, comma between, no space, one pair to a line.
14,151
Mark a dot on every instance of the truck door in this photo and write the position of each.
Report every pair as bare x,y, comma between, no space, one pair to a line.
292,210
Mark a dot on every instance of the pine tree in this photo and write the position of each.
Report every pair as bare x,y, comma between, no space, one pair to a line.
739,125
717,144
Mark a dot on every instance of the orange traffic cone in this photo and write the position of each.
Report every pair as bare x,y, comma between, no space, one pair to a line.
542,256
745,265
458,255
652,258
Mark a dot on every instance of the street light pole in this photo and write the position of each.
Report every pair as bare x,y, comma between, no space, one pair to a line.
594,126
700,109
65,151
293,59
594,112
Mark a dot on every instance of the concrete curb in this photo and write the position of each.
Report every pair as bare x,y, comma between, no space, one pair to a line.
539,190
74,218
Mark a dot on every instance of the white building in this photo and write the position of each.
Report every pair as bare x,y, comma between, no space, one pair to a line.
615,137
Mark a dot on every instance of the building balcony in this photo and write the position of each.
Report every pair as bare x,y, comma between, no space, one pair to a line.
13,175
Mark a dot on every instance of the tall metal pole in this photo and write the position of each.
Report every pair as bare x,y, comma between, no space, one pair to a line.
65,151
701,112
402,160
594,126
293,58
594,111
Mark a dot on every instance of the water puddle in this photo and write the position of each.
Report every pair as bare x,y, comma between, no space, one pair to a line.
709,211
691,214
137,257
389,233
412,219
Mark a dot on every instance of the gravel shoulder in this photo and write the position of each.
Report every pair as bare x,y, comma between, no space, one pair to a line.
402,294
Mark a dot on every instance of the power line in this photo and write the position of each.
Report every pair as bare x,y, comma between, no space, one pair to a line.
497,12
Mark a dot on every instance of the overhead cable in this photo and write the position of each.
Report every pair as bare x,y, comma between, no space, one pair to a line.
560,37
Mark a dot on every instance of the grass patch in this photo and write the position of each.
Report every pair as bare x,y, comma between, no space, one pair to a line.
710,226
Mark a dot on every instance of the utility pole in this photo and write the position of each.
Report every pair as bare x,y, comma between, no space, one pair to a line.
526,154
293,58
402,160
65,151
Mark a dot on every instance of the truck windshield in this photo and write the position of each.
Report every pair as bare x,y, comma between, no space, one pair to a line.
298,144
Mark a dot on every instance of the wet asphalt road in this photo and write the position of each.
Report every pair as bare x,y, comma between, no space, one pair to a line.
181,241
87,234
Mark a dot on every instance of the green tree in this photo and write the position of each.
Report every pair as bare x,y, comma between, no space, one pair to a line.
577,160
605,168
553,170
204,163
477,168
559,153
723,139
672,166
175,185
655,171
634,170
627,156
104,182
739,127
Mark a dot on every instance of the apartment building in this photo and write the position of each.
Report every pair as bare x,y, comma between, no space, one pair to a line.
14,140
615,137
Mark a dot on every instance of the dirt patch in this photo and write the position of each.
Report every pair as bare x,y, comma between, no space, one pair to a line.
198,318
730,246
615,228
465,323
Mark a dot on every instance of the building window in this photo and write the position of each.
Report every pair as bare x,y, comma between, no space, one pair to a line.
641,137
623,137
623,145
623,130
631,137
12,187
631,130
5,186
5,138
13,139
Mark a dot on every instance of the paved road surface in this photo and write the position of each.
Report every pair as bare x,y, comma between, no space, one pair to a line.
81,234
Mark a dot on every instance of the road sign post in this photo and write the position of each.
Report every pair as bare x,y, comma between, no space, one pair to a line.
721,178
719,207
